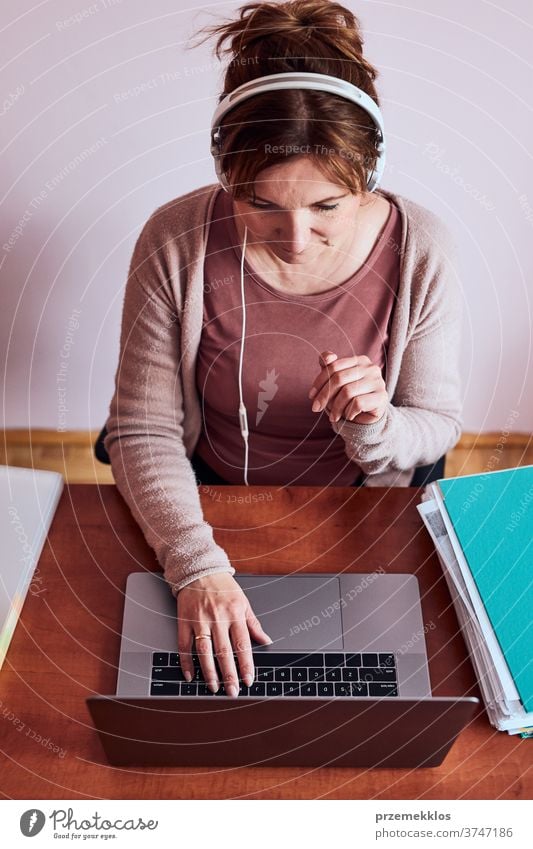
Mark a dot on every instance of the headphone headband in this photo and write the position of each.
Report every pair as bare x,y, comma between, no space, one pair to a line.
303,80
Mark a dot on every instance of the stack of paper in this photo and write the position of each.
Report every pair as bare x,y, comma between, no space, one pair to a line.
482,527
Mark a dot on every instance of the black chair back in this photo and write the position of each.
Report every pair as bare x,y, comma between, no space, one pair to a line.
429,474
422,475
99,448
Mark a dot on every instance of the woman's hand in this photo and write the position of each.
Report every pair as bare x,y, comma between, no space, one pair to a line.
351,388
216,605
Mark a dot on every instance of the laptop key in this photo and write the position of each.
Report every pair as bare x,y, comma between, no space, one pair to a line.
203,689
380,675
257,688
350,673
369,659
343,689
324,688
167,673
274,688
333,674
282,674
382,690
308,689
160,658
243,689
316,674
164,688
265,673
352,660
291,688
386,659
190,689
299,673
334,660
287,659
359,689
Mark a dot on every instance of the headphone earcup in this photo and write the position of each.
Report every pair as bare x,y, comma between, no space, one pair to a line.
217,158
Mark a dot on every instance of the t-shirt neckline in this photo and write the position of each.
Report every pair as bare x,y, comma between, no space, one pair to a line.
345,286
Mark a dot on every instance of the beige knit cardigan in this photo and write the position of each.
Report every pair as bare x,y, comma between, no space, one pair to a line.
155,414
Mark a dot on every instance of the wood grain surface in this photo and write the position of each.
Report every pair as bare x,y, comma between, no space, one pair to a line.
66,646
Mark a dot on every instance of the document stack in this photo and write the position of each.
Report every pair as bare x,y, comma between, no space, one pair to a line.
482,528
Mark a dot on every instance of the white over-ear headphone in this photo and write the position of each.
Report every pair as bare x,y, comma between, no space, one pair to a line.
275,82
304,80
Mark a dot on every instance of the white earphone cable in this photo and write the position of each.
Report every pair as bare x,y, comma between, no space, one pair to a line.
243,418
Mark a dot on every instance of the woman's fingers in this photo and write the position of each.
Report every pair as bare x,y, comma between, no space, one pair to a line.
216,605
357,397
324,359
187,644
204,650
255,628
225,659
367,408
335,394
236,645
242,647
349,387
185,638
330,371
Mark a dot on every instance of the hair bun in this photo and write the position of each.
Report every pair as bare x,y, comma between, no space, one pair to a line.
272,32
316,36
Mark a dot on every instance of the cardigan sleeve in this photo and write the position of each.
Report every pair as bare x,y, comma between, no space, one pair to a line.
424,416
145,433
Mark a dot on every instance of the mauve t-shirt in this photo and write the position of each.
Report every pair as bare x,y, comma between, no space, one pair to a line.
285,333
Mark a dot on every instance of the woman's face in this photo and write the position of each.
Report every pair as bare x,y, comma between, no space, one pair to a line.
296,212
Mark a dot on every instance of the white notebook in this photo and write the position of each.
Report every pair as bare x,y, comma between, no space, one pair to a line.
28,501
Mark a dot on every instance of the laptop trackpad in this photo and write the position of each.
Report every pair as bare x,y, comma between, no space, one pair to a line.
299,612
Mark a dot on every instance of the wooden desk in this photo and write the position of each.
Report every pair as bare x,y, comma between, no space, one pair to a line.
67,641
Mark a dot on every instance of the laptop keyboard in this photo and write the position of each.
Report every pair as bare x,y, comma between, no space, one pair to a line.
288,674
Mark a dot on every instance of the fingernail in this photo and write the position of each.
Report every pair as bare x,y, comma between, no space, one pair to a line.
269,641
214,685
249,680
312,393
188,676
316,406
233,690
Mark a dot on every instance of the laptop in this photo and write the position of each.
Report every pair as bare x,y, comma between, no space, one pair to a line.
28,501
345,681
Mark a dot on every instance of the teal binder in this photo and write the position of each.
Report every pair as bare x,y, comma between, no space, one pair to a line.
492,515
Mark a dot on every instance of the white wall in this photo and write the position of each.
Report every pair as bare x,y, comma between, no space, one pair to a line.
105,118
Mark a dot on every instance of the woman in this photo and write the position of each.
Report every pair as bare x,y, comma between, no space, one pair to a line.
347,304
